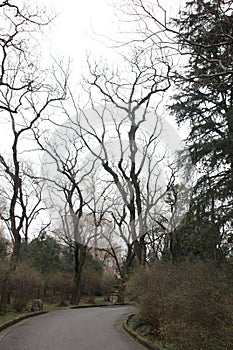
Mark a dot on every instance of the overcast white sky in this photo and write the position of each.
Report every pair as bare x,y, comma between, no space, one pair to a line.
75,21
73,31
80,26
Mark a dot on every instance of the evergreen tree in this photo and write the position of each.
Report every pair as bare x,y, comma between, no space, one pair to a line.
205,101
42,253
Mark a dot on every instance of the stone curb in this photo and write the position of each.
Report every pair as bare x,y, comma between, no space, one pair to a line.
97,305
21,318
136,336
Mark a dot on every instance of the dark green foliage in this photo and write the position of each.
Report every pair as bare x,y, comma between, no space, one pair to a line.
197,238
205,103
43,253
94,263
67,258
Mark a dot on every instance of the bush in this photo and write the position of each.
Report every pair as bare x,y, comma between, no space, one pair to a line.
61,282
189,304
4,268
91,283
108,283
25,284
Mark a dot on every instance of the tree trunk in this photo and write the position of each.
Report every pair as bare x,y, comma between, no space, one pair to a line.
121,294
80,254
140,250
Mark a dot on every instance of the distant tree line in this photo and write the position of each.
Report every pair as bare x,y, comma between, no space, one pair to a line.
45,271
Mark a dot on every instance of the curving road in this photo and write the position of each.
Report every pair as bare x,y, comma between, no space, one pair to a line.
77,329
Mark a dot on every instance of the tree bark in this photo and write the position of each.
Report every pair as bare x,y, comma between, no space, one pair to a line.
80,254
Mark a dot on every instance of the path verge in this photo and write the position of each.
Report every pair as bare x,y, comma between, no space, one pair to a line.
20,318
138,337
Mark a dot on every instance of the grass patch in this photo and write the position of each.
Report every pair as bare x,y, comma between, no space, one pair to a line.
12,316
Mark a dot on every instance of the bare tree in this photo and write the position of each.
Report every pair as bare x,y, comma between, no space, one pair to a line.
129,96
26,92
119,237
100,191
67,173
110,241
31,199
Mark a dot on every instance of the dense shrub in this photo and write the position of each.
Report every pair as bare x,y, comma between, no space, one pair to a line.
4,267
91,283
4,245
108,283
25,284
60,282
189,304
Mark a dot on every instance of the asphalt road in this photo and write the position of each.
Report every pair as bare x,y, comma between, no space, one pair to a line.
95,328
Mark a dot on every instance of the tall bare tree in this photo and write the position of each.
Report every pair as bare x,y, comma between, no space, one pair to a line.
27,91
66,172
124,124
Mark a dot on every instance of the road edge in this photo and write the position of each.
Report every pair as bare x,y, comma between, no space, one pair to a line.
24,317
136,336
21,318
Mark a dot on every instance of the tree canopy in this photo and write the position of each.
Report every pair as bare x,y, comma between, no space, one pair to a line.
205,102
